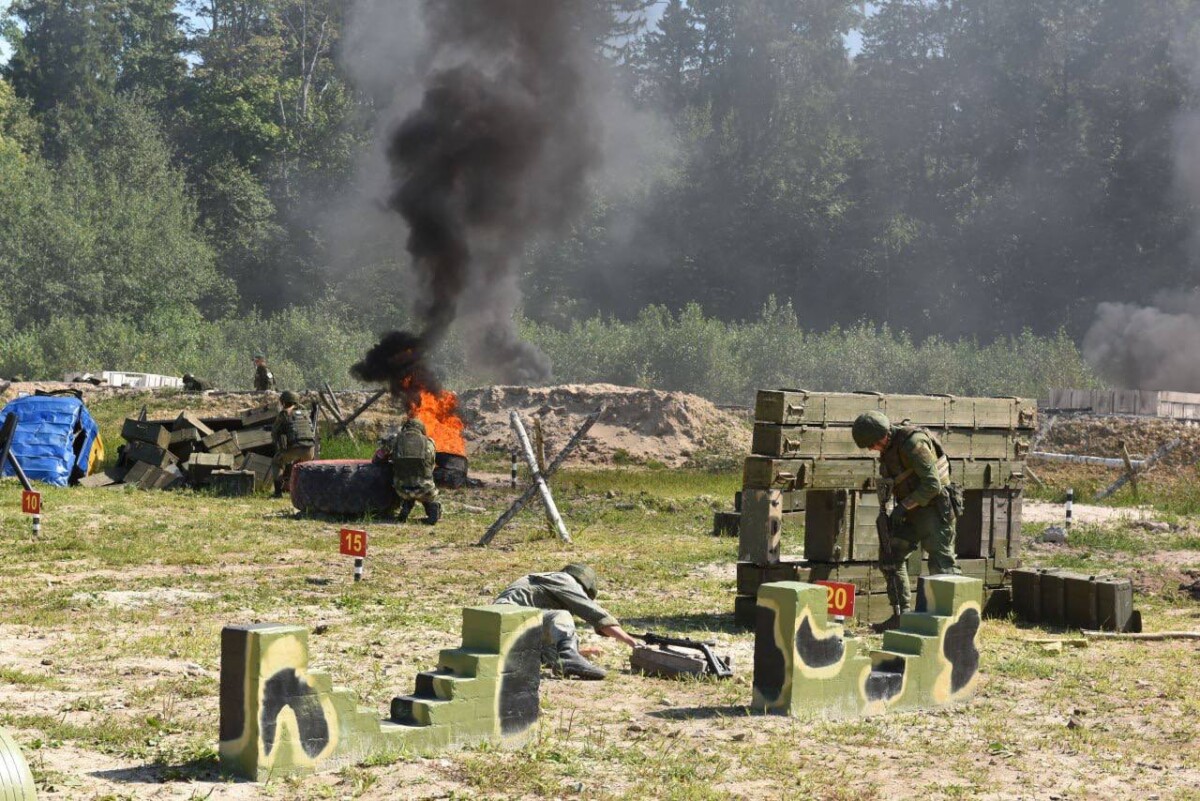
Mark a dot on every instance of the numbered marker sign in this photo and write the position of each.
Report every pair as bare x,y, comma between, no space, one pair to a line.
840,597
354,542
31,502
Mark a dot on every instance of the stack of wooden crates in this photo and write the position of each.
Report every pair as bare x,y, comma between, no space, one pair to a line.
806,467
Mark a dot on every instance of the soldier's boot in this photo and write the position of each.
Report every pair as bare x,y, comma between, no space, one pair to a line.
433,512
895,596
406,508
571,663
891,623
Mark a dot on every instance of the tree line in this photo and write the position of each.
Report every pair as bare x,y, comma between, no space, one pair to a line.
975,169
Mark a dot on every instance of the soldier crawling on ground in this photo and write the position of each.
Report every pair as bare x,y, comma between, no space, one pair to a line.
295,439
925,503
571,590
193,384
414,457
264,379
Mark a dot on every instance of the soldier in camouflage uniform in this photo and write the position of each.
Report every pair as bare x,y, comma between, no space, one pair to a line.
923,513
264,379
295,440
193,384
414,457
571,590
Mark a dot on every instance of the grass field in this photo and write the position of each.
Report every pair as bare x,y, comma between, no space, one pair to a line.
109,656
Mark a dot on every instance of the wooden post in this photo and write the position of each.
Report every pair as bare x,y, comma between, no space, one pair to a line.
345,424
555,518
532,490
1129,471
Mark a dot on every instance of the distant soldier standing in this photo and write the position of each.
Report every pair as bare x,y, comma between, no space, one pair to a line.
924,509
413,456
295,440
264,379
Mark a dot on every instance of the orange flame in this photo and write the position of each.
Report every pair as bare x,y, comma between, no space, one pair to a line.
439,413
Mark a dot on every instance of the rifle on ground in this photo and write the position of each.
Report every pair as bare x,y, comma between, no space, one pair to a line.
665,662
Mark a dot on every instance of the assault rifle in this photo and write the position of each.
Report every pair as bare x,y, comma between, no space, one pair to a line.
712,664
883,523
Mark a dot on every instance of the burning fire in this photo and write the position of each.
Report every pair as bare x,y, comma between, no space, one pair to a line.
439,412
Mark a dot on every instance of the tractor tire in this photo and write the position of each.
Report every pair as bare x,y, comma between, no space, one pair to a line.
343,488
16,782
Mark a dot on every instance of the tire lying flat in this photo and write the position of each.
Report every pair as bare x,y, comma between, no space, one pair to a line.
343,487
16,781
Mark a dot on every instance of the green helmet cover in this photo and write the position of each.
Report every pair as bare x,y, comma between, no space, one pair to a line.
413,422
585,576
869,428
288,398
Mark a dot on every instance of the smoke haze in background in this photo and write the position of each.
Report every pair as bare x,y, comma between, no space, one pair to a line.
1148,347
496,153
1158,346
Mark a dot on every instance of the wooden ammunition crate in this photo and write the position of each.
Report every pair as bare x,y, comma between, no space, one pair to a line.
1074,600
799,407
249,439
830,443
145,431
138,451
791,475
990,525
839,525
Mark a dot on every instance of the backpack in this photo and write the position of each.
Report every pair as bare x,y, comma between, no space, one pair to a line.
408,458
299,430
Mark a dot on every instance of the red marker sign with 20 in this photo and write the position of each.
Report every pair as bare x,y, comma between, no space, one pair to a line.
840,597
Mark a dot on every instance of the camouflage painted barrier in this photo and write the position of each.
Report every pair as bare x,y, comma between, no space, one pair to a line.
16,781
280,718
805,665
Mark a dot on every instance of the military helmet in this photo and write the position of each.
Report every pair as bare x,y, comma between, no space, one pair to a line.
585,576
413,422
288,398
869,428
189,377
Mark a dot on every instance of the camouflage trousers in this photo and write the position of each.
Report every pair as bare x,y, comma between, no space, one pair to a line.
930,528
427,494
558,627
281,465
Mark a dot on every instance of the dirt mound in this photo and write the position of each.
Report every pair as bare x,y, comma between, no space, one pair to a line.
638,425
1102,436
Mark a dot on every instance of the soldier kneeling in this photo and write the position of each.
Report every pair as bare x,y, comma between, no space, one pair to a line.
295,439
413,456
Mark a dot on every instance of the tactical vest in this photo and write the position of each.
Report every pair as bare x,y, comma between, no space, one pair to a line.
408,458
299,430
905,479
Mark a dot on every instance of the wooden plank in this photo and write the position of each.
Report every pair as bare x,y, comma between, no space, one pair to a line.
796,407
834,443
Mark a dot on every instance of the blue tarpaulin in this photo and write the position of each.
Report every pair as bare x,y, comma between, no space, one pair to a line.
54,438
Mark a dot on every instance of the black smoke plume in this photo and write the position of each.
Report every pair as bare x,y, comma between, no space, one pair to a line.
496,155
399,360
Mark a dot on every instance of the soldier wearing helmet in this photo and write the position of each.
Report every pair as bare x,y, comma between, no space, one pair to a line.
264,379
295,439
923,513
570,591
413,457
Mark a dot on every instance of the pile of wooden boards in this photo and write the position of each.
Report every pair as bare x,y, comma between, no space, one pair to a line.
230,454
806,469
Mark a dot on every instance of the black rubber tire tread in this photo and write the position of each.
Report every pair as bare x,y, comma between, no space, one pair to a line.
343,487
